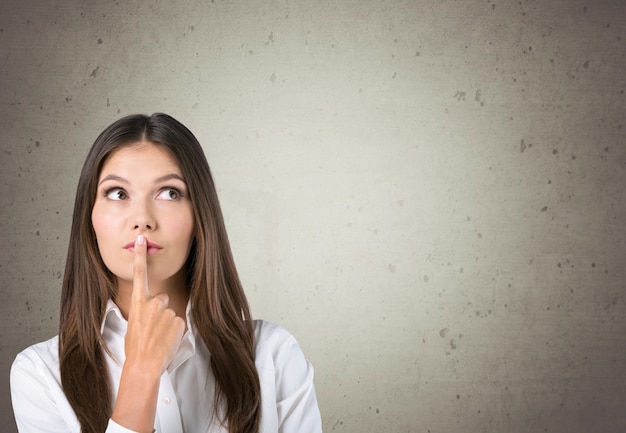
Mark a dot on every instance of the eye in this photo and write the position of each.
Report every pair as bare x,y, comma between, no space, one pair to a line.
116,194
169,194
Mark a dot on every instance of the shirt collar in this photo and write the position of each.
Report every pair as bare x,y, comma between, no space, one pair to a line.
114,324
112,317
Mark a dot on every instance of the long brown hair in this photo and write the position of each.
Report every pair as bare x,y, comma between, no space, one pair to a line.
219,309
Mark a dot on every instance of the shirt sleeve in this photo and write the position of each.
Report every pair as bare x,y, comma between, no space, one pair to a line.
33,399
296,403
114,427
39,404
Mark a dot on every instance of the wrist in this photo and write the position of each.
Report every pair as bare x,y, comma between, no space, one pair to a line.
146,371
135,407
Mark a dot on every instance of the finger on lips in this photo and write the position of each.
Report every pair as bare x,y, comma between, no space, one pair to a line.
140,274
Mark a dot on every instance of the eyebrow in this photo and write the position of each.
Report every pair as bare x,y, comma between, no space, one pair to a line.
123,180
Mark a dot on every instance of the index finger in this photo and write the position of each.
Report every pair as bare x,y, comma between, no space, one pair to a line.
140,272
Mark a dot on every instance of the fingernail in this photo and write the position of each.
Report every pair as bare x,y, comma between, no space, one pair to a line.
140,240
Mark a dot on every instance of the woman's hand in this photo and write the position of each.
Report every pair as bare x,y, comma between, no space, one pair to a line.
154,330
152,339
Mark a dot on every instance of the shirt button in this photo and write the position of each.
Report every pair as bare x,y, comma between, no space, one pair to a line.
167,400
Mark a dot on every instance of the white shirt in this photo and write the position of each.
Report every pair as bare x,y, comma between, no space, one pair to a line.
186,391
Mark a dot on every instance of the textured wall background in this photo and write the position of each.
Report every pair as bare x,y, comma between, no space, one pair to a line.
430,195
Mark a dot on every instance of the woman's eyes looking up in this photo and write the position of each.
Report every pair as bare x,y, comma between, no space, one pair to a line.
115,194
167,193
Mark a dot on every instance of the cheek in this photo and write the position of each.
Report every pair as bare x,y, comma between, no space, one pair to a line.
103,223
182,226
97,222
185,227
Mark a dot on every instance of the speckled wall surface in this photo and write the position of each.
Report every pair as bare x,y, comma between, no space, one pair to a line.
430,195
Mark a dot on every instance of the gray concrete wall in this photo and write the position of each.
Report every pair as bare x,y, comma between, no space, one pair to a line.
430,195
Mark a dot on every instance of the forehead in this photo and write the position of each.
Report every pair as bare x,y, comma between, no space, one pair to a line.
140,157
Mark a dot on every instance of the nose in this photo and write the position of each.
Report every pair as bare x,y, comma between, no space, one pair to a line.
143,217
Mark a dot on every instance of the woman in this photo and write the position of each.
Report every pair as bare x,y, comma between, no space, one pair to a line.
155,331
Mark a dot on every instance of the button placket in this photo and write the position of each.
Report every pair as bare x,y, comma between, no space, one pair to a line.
168,413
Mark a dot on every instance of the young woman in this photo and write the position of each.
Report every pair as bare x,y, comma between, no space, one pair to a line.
155,331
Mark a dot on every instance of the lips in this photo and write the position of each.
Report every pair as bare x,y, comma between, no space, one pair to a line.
153,247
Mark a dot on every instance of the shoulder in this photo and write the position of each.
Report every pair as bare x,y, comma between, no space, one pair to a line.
36,391
36,367
274,341
39,357
279,357
286,378
268,332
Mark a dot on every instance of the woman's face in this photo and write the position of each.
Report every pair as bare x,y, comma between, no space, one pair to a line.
141,190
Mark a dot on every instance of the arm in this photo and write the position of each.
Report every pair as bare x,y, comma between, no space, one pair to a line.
153,336
39,405
296,402
34,396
